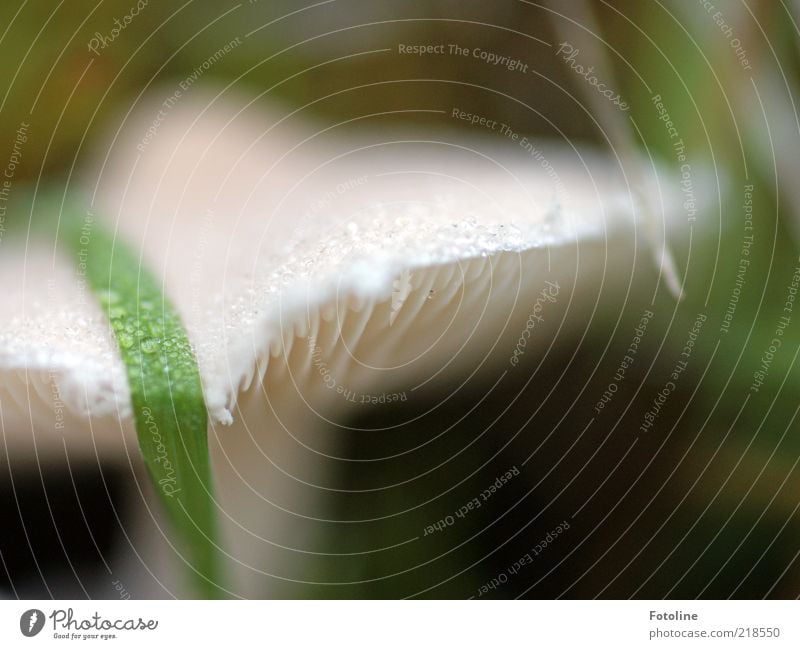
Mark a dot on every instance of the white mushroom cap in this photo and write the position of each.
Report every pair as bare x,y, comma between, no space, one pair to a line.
305,261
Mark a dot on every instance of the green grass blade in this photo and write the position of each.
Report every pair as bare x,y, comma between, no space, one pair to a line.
166,393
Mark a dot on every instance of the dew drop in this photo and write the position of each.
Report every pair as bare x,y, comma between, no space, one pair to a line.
149,345
125,340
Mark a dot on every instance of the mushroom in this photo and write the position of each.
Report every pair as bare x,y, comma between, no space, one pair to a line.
313,267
